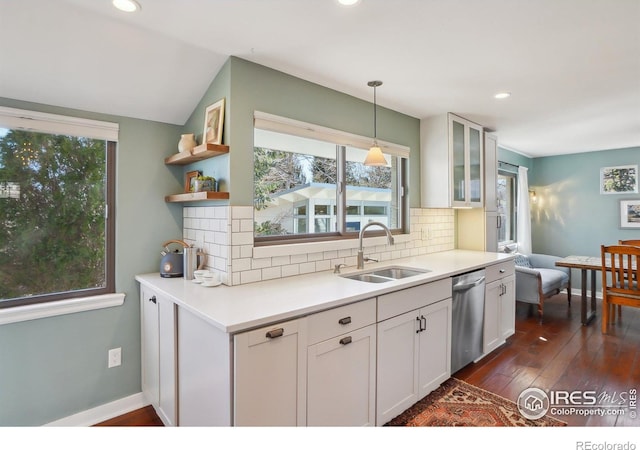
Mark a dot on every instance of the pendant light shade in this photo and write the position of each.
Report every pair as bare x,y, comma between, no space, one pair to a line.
375,156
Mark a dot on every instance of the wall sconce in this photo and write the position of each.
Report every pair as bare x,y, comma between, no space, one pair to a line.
375,156
533,196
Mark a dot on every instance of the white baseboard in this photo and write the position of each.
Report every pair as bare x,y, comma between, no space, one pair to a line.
101,413
577,293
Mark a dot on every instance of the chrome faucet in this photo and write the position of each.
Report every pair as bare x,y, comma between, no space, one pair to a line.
361,257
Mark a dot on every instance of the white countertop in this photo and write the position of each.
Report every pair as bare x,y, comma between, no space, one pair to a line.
238,308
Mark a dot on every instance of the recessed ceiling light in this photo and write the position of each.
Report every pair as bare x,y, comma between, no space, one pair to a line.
127,5
348,2
501,95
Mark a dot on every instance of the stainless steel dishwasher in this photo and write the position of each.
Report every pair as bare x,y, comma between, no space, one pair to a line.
467,318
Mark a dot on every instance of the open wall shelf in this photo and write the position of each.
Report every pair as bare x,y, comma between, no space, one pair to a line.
203,151
196,197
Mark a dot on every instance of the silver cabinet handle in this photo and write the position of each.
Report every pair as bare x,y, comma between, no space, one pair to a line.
502,271
272,334
153,299
345,320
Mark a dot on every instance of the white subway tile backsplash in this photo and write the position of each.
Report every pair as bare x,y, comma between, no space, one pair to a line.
226,234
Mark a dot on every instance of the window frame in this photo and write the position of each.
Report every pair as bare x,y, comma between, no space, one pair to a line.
513,217
341,139
35,121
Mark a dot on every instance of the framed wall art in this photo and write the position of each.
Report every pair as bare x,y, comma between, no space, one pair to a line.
619,180
189,179
630,213
213,123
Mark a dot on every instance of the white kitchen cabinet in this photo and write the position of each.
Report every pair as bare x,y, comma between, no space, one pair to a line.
508,307
270,375
204,368
499,313
341,376
477,228
341,365
490,173
451,162
158,319
414,357
492,219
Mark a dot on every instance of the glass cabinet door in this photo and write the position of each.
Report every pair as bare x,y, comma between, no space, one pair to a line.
458,142
475,165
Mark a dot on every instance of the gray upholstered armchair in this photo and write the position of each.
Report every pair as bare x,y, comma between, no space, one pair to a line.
537,278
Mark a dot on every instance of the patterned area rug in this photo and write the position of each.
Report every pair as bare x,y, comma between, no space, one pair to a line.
459,404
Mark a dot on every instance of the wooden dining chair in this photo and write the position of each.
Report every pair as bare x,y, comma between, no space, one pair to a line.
620,270
635,242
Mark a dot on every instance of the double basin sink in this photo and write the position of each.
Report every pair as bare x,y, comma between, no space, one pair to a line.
386,274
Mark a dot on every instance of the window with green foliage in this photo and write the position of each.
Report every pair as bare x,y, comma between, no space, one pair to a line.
56,227
310,183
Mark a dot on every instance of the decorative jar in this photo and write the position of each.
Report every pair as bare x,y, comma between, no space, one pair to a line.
187,143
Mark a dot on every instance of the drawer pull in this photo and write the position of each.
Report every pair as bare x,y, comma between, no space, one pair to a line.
345,320
346,340
502,270
153,299
275,333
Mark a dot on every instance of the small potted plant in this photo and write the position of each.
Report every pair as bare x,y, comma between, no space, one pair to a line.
203,183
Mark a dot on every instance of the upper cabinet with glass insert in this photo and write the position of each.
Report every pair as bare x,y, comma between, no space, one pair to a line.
451,162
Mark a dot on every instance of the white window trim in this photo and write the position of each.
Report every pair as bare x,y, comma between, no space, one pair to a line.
57,124
271,122
60,307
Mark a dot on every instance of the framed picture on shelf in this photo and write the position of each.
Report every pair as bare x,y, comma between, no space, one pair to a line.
619,180
189,179
213,123
630,213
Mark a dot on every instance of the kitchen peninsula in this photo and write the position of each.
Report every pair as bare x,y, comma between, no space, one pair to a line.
260,353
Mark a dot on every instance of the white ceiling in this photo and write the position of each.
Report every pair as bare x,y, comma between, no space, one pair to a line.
573,66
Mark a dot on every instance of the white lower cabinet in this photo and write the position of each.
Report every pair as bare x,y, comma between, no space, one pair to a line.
204,368
500,305
414,357
158,317
508,307
341,370
359,364
270,376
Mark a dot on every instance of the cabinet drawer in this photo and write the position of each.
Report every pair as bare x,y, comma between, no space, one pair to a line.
500,270
396,303
333,322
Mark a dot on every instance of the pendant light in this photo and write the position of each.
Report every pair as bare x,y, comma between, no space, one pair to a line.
375,156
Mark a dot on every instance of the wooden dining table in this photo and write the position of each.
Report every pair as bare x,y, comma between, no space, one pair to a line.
592,264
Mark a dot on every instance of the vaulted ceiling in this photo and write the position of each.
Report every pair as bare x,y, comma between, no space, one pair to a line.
572,66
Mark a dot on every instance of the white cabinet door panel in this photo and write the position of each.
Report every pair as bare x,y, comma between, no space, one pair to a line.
342,380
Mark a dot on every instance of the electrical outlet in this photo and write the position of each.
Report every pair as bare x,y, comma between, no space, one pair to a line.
115,357
425,234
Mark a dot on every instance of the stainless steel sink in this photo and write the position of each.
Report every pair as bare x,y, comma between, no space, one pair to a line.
385,274
368,277
399,272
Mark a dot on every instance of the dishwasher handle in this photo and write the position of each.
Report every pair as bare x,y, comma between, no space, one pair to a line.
466,286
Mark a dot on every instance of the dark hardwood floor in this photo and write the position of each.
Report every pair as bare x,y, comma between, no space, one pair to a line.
562,354
557,354
143,417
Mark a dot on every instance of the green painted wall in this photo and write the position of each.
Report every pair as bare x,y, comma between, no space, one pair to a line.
571,217
54,367
249,87
514,158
